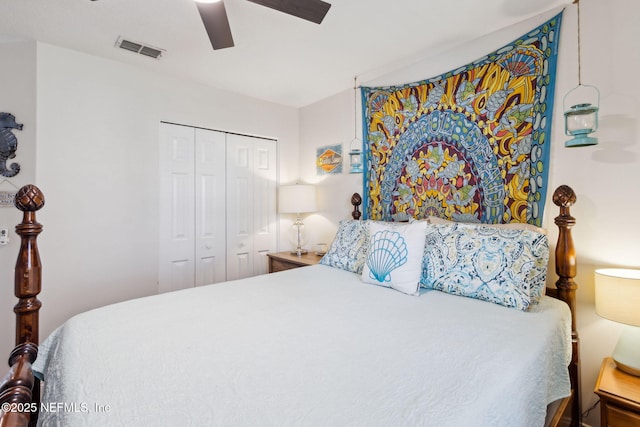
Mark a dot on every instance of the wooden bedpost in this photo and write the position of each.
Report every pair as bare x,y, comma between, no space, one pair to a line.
19,388
29,199
356,201
564,197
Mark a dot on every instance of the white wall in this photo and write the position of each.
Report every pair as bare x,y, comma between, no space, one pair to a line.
605,177
325,123
97,163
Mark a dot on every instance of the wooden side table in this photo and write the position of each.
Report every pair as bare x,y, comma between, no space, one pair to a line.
280,261
619,396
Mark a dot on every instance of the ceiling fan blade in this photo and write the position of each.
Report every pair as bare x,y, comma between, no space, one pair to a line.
214,18
311,10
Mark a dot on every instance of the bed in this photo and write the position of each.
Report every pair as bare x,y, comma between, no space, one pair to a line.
309,346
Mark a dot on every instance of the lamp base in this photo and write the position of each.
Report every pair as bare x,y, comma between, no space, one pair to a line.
298,237
627,351
627,369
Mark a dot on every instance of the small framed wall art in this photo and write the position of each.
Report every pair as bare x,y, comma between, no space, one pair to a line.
329,160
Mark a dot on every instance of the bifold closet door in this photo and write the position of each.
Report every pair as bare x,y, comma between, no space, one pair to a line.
251,204
192,207
210,211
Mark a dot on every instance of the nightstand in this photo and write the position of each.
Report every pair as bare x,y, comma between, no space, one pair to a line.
280,261
619,396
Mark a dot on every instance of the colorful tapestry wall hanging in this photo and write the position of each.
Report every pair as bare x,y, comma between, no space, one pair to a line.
469,145
329,159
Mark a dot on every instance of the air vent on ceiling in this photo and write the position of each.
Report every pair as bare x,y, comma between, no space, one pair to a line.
140,48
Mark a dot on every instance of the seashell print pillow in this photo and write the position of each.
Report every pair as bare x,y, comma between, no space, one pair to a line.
499,265
394,255
349,248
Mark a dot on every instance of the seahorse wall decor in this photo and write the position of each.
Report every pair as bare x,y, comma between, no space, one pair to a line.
8,144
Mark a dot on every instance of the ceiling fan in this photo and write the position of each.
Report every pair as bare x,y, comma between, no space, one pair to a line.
214,16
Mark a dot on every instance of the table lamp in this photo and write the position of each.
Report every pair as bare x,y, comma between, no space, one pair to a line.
618,299
297,199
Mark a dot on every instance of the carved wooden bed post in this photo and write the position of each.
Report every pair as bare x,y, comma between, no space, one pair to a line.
564,197
19,388
29,199
356,201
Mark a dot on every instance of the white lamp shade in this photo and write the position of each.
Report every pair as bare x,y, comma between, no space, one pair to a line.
297,198
618,295
618,299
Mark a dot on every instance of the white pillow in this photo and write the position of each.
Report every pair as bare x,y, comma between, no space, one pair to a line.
394,255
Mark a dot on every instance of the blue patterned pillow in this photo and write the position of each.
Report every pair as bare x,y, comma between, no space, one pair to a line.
348,250
502,266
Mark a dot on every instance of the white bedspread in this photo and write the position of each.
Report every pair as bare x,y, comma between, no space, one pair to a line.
312,346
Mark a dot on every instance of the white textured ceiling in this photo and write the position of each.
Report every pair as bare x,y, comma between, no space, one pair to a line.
277,57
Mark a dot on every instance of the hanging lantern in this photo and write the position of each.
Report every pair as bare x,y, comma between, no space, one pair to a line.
355,153
581,120
355,160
